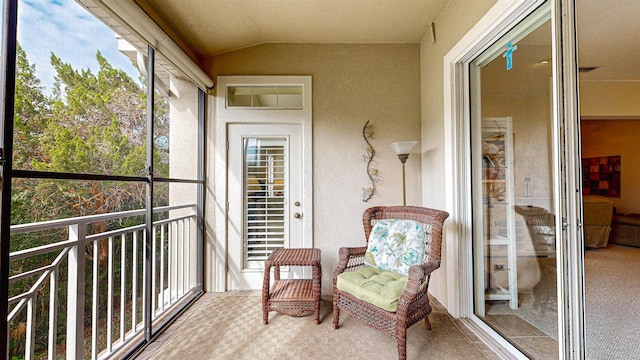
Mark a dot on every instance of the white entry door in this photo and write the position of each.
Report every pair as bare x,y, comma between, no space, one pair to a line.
265,195
264,175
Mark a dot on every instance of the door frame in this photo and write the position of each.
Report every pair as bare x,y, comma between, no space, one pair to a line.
8,44
239,276
459,258
224,117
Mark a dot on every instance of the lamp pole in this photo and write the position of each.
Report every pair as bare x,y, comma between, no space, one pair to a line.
402,149
403,159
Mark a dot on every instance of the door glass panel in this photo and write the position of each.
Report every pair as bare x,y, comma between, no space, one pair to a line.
265,97
514,215
271,97
264,193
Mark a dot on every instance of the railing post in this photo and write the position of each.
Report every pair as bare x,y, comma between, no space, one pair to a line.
76,293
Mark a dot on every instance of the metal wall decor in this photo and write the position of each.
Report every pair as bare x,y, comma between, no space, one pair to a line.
372,170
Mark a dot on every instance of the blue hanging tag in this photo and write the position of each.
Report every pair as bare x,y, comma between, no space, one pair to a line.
509,54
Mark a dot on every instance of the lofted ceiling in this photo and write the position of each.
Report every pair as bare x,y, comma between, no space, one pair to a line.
607,31
216,26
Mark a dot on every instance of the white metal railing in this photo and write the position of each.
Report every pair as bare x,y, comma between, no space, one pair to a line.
117,314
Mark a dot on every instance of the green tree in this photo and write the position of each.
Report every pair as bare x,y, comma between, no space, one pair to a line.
90,123
32,111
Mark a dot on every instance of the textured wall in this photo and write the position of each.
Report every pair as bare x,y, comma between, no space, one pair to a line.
614,100
452,24
183,162
351,84
531,119
183,113
617,137
609,99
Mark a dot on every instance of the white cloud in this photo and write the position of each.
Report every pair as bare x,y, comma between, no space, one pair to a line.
70,32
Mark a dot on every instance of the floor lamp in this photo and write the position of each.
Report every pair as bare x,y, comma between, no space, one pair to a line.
402,149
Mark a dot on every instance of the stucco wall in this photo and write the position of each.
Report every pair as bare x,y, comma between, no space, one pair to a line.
351,84
452,24
617,137
183,113
183,164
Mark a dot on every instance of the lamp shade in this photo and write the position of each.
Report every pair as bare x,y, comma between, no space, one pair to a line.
403,147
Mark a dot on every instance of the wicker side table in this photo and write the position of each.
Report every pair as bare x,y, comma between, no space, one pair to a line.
293,297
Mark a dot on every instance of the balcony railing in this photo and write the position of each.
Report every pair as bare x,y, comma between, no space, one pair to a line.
102,276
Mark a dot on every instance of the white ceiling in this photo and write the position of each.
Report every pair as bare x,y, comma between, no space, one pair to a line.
607,30
608,38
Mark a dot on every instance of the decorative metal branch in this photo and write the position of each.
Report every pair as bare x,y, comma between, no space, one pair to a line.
372,171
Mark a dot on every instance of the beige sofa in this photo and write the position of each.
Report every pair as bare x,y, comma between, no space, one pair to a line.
598,212
626,230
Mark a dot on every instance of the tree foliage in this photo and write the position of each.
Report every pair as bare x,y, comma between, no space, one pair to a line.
92,123
32,112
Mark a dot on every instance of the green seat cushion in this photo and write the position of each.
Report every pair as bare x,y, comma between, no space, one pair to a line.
378,287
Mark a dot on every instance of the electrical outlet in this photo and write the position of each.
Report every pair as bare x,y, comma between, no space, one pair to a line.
499,267
526,179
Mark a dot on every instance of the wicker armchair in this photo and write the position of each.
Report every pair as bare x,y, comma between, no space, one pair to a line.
413,304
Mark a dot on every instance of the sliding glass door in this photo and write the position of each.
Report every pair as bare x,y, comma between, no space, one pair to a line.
514,211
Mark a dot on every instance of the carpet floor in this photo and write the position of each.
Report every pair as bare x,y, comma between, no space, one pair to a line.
612,305
229,326
612,310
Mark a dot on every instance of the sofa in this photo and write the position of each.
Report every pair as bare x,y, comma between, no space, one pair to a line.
598,213
625,230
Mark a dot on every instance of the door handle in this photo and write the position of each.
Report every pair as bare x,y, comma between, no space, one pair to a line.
297,215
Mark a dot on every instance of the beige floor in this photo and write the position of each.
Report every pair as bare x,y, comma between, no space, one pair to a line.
531,341
229,326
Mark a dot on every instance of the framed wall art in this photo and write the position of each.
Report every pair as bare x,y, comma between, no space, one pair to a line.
601,176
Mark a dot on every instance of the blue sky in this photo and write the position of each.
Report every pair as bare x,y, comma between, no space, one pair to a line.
66,29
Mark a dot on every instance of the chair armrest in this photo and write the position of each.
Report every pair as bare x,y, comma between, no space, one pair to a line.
346,254
418,276
420,272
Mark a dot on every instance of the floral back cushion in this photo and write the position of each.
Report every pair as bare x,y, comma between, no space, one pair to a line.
396,244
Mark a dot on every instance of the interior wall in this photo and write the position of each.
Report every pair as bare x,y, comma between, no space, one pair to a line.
352,84
617,137
609,99
532,142
452,24
617,102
